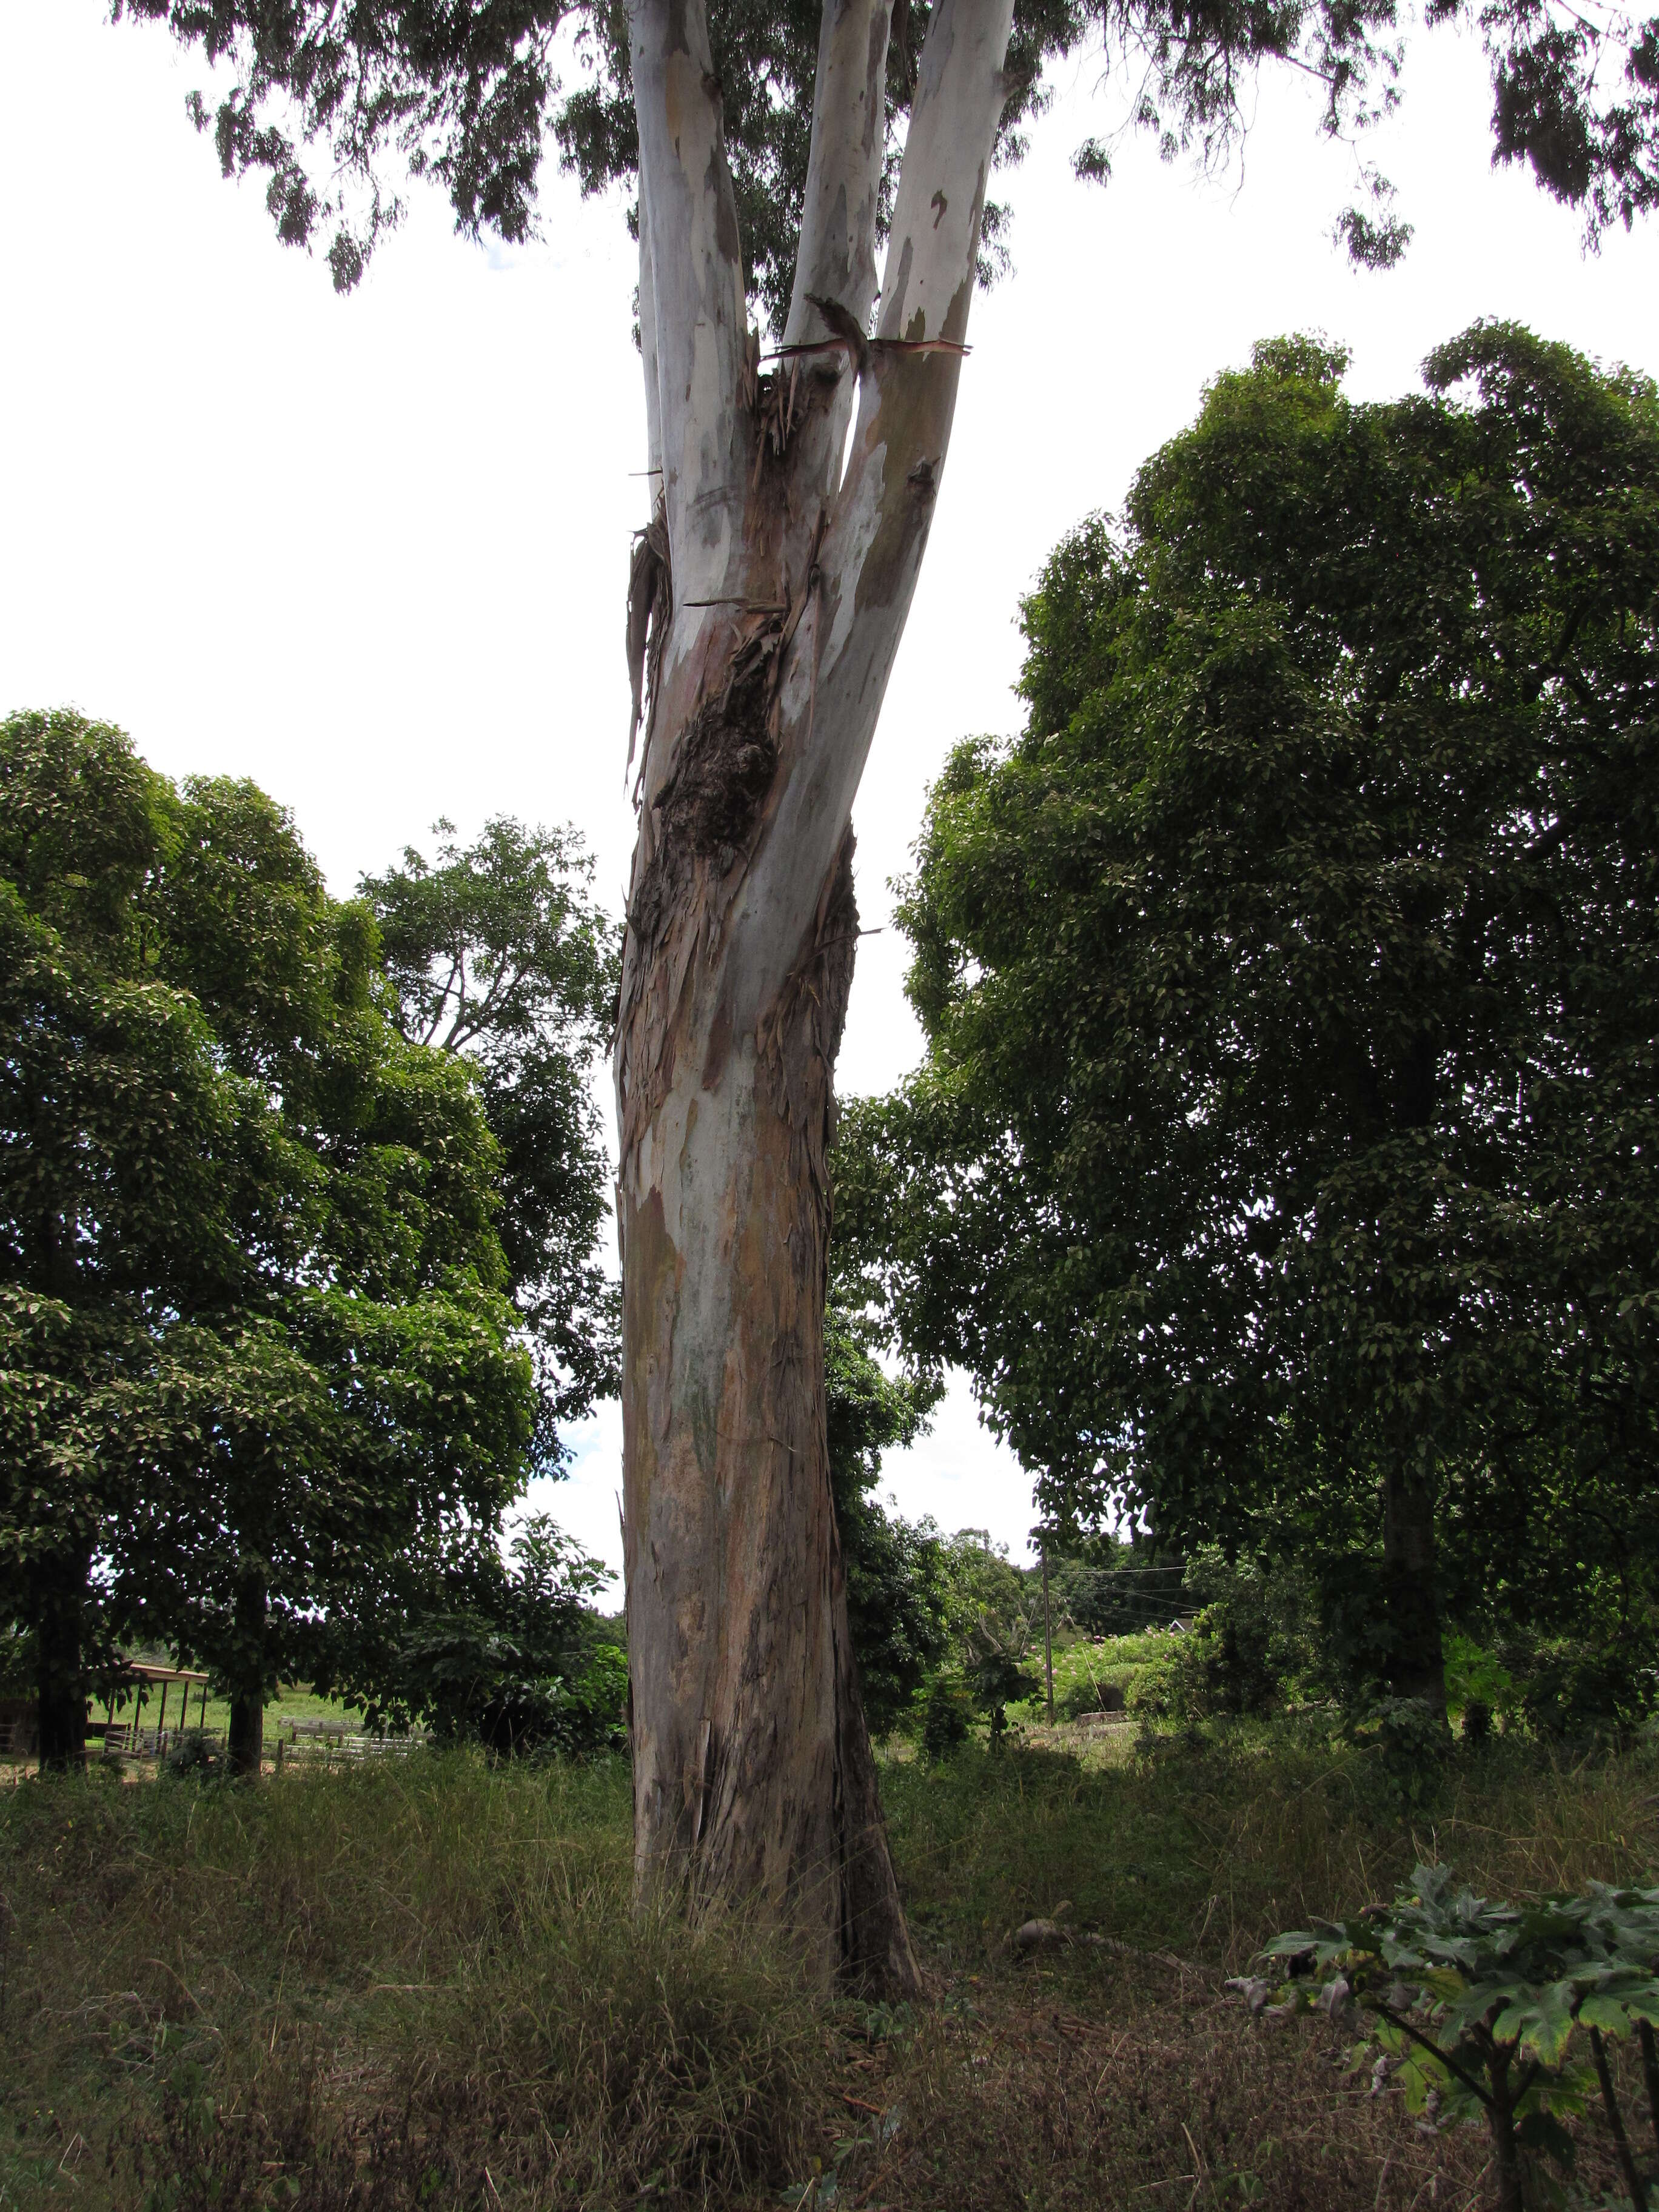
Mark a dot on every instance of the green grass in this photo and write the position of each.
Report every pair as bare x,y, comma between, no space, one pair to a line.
418,1985
1209,1852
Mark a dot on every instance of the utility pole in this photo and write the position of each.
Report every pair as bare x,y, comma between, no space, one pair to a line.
1047,1632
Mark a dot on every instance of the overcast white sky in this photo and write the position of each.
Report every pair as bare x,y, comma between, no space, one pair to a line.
372,552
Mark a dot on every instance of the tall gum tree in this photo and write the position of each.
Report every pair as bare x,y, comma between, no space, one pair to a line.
767,601
790,582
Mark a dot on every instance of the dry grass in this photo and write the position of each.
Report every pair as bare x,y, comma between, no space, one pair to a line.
419,1985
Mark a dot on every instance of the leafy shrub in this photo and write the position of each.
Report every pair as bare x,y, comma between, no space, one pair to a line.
192,1753
1156,1693
1575,1691
900,1605
996,1674
504,1652
1409,1740
1255,1642
1474,2007
902,1581
1477,1676
1091,1696
590,1714
946,1716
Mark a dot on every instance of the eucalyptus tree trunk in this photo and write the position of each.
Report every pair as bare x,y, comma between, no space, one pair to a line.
766,604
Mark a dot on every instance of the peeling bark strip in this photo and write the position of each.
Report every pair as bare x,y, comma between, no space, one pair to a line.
765,605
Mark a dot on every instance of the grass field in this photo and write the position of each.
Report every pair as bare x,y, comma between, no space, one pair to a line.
421,1984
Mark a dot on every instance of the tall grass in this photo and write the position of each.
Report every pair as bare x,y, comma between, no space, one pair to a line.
1210,1850
430,1968
424,1985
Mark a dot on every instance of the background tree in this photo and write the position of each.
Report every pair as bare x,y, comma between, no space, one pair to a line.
1284,1151
256,1339
767,600
506,1650
498,952
116,1121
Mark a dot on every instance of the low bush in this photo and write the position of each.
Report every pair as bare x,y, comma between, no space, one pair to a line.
1089,1695
1577,1691
1477,2009
947,1715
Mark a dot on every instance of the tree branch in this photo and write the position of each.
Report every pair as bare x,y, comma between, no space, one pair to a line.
648,355
932,253
689,212
1399,2020
443,1000
837,254
865,567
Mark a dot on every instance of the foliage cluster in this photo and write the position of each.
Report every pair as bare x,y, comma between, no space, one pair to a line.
258,1351
1475,2007
1282,1161
330,107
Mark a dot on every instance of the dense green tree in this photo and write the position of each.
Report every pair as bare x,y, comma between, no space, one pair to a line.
356,1391
483,1644
1109,1587
115,1119
498,952
253,1327
288,1459
1286,1143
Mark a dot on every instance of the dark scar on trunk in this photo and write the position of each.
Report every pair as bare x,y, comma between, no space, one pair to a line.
723,769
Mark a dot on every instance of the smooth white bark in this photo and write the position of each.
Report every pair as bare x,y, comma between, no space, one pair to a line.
879,525
648,355
837,255
689,211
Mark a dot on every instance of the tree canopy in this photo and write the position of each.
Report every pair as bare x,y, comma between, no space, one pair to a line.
498,953
1284,1150
333,106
